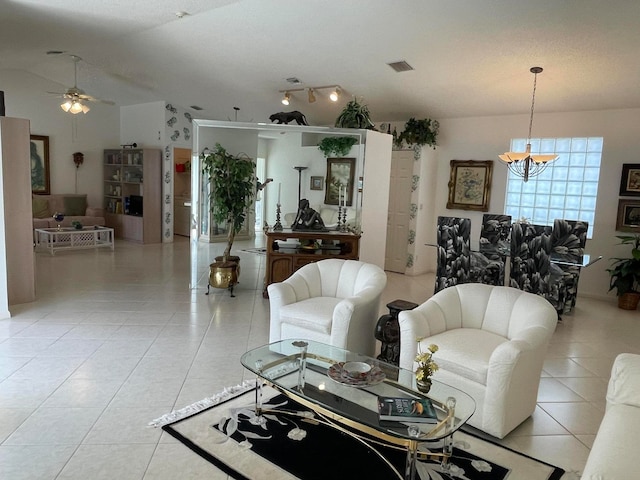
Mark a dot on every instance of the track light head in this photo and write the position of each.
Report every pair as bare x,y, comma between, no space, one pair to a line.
334,95
312,97
286,98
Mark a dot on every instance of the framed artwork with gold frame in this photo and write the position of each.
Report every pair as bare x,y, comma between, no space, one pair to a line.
470,185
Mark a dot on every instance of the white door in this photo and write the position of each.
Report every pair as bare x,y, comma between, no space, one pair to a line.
399,210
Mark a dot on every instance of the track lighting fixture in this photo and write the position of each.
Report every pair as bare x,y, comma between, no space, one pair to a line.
311,93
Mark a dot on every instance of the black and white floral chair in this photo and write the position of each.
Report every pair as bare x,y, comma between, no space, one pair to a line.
454,257
530,258
488,263
568,240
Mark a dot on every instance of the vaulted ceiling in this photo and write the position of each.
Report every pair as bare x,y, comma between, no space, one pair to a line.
470,58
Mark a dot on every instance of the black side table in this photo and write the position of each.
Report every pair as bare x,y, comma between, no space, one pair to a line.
388,331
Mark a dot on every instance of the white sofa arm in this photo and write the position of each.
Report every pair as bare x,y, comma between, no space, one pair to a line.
624,384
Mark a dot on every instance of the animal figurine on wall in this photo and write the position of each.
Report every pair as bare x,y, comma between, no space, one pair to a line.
286,117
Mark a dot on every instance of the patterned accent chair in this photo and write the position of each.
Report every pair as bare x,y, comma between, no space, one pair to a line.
454,246
568,240
488,264
530,258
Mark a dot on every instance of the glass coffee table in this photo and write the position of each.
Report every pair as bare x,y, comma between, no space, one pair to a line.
311,374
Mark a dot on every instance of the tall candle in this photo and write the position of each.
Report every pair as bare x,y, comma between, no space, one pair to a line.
279,187
340,195
344,197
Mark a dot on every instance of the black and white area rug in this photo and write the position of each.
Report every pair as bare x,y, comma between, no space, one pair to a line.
291,442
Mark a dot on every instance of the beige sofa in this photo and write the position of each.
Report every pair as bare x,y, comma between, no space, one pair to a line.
73,205
613,454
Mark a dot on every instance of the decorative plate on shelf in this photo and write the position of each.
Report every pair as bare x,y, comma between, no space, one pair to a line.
337,374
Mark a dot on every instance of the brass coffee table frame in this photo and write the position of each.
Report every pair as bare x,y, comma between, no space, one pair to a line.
287,365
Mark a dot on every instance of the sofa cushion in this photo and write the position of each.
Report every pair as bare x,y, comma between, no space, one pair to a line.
75,206
314,313
40,207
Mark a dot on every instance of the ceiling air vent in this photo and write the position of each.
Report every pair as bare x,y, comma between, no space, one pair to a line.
196,107
293,80
401,66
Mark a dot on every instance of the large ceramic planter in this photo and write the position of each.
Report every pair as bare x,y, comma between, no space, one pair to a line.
629,300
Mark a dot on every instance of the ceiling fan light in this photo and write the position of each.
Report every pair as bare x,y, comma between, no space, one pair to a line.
66,106
76,108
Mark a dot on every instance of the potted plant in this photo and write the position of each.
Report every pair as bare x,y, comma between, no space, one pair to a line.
625,274
354,115
419,132
232,188
336,146
426,367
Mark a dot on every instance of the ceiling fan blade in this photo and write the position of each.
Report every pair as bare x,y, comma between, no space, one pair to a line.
89,98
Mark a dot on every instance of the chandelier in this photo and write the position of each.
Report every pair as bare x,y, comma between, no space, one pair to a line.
524,164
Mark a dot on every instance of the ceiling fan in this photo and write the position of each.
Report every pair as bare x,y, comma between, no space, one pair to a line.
76,98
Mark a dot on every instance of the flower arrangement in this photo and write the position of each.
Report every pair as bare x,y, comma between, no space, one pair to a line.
426,365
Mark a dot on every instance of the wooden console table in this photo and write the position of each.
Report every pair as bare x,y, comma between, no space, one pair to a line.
287,251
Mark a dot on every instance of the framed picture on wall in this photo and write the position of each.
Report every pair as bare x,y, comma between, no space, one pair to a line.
340,177
470,184
316,183
628,216
630,179
40,175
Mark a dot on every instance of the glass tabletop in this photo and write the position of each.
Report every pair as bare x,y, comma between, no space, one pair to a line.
310,370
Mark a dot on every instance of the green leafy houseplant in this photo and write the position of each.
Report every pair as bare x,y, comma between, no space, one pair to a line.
625,272
232,188
419,132
336,146
354,115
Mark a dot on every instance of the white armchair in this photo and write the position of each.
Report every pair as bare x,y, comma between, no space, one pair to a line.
492,342
331,301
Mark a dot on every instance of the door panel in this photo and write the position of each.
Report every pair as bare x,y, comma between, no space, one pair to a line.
398,217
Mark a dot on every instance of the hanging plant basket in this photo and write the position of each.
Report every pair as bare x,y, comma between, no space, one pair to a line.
419,132
336,146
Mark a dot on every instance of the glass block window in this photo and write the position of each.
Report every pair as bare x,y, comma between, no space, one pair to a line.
567,188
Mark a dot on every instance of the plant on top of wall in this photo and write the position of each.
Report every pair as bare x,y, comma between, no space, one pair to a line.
419,132
354,115
336,146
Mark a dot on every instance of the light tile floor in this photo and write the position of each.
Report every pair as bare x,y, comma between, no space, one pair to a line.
117,339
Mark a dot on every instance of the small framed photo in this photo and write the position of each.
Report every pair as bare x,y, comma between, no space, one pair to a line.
630,180
316,183
40,175
470,184
628,216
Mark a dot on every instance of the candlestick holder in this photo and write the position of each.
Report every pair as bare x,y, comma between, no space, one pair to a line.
339,217
278,226
343,227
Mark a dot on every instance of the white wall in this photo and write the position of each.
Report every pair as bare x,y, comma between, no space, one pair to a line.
26,97
483,138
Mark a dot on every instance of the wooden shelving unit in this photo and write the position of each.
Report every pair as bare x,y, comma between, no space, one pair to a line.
134,173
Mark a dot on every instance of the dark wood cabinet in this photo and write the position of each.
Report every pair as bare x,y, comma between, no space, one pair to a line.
289,250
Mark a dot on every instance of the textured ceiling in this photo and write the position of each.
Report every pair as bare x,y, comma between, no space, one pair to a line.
471,58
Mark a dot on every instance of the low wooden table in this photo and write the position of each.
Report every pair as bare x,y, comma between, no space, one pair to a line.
65,238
